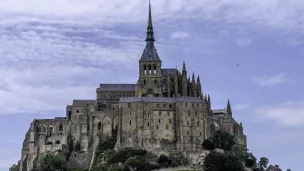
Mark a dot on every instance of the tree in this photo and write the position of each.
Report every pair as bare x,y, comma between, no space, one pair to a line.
51,163
263,163
288,170
208,144
222,162
15,167
223,140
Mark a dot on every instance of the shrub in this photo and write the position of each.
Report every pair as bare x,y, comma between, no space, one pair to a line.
123,154
178,160
218,162
51,162
140,164
208,144
223,140
163,160
15,167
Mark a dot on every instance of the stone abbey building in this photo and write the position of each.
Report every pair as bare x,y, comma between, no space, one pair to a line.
164,111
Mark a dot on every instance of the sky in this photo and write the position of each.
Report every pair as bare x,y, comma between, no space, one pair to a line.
54,51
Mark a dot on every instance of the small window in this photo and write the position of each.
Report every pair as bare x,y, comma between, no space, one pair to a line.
167,127
75,117
148,115
186,104
159,113
158,120
197,105
129,105
169,121
77,111
155,81
187,122
170,106
188,133
130,122
157,105
148,123
200,133
195,113
156,126
60,127
99,125
189,113
197,123
192,104
164,105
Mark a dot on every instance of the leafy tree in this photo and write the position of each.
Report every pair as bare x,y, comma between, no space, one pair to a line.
263,163
250,160
223,140
15,167
51,163
208,144
178,160
140,164
288,170
163,160
222,162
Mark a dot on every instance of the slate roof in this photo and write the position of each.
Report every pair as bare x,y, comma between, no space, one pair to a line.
150,53
169,71
116,87
83,102
219,111
160,99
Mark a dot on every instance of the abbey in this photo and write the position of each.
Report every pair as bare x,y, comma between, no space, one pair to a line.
164,111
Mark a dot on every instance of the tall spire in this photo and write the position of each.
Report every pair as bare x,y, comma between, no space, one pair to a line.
150,32
229,111
184,66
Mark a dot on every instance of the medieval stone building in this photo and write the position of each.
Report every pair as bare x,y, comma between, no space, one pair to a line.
164,111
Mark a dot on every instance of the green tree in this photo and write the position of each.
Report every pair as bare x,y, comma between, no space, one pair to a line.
15,167
288,170
208,144
52,163
223,140
222,162
263,163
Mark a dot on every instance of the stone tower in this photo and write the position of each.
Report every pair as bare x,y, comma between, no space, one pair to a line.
150,79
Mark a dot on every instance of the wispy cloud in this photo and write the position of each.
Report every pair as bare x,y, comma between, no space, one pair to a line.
179,35
271,81
241,107
289,113
242,42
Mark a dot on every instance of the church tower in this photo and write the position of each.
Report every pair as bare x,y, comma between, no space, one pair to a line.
150,78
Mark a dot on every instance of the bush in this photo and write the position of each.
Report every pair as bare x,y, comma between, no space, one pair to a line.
15,167
223,140
178,160
51,162
140,164
208,144
123,154
163,160
218,162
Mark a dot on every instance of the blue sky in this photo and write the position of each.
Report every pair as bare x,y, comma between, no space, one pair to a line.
52,52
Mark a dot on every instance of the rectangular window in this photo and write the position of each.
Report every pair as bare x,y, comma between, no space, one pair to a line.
169,121
148,123
170,106
187,132
158,120
129,105
197,123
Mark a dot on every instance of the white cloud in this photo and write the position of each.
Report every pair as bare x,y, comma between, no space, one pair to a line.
288,113
241,107
271,81
242,42
179,35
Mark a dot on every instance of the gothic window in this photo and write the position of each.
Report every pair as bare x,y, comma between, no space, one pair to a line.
154,67
145,69
60,127
69,115
148,123
148,115
155,81
77,111
51,129
150,69
144,81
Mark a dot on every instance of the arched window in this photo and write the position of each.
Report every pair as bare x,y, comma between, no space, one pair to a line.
51,129
49,143
99,125
57,142
60,127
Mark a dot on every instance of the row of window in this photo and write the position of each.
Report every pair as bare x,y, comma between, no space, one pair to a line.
40,129
193,104
157,105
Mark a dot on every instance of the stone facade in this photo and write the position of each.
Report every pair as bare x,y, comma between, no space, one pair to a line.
163,111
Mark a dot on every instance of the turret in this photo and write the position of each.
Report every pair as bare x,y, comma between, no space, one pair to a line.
193,86
189,88
229,111
209,104
199,87
184,80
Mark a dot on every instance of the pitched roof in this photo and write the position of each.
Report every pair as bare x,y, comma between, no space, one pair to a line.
160,99
116,87
150,53
169,71
83,102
